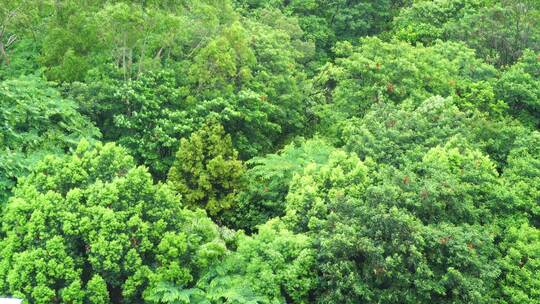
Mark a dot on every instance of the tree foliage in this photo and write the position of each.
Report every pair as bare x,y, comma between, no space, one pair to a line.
35,121
207,172
519,86
326,22
499,31
263,197
253,152
161,85
92,227
380,72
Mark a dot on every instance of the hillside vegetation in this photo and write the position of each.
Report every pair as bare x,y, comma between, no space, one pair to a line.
270,151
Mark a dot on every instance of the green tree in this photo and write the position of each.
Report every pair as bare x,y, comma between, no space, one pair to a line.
319,191
247,71
519,264
326,22
275,263
147,115
94,228
224,64
406,133
500,32
207,172
452,183
522,176
269,178
18,18
376,243
345,151
380,72
398,134
426,21
381,254
35,121
272,266
133,37
519,86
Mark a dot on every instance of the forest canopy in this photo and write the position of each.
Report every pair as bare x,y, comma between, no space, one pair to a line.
247,151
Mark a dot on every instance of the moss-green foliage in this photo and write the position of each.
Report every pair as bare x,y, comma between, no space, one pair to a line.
500,32
132,36
451,183
92,228
146,115
368,242
405,133
207,172
408,238
392,258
